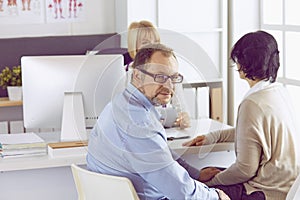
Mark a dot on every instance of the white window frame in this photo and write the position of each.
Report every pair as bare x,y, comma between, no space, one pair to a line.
282,28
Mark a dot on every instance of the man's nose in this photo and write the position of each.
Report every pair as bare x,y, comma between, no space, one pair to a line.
169,84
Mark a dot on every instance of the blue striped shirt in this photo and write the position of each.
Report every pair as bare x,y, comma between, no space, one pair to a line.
129,140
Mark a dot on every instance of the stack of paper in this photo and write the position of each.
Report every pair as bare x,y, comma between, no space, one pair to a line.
21,144
62,149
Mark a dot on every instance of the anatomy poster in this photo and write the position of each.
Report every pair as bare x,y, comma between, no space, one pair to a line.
64,10
21,11
41,11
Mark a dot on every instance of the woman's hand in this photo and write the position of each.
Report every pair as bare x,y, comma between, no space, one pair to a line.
197,141
208,173
183,120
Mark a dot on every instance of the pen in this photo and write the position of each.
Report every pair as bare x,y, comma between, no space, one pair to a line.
177,138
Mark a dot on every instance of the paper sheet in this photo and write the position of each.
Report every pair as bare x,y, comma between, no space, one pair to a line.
20,138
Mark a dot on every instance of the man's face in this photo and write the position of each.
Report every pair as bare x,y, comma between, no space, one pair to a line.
159,93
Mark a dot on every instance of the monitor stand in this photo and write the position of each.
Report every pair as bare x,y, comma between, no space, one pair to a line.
73,122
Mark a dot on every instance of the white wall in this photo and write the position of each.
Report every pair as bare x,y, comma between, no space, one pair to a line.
99,18
246,19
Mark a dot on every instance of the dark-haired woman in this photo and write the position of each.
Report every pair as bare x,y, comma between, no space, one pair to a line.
265,166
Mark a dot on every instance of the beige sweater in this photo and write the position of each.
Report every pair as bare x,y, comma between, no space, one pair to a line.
265,153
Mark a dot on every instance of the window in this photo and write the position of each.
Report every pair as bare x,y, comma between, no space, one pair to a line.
281,18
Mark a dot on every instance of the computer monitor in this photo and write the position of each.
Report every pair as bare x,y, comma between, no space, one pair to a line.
48,80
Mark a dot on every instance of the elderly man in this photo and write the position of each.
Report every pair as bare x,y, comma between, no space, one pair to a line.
129,139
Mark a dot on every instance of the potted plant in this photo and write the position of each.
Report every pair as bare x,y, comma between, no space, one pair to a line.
11,79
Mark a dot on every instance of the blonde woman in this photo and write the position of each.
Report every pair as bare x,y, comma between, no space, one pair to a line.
139,34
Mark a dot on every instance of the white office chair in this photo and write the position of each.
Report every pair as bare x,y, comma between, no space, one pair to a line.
294,192
94,186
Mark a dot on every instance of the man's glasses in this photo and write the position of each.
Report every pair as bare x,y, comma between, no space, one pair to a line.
162,78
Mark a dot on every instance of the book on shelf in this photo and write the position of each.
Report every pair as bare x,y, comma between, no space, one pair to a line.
65,149
22,144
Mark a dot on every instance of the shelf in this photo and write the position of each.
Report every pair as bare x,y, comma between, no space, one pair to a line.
4,102
215,97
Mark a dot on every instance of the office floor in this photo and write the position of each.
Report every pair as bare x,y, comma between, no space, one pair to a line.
47,184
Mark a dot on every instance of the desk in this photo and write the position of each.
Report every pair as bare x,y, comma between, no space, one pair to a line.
208,155
39,177
51,178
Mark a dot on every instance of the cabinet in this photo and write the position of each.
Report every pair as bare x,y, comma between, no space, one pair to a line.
11,116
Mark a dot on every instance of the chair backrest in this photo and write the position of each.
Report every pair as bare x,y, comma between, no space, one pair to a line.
294,192
92,185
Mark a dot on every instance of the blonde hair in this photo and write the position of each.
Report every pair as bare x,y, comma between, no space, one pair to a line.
137,31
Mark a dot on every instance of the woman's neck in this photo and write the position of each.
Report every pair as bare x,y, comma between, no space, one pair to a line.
252,82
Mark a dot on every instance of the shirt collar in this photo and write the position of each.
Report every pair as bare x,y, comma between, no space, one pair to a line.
138,95
257,87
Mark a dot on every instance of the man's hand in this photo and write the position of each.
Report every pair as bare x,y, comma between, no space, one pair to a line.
208,173
197,141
